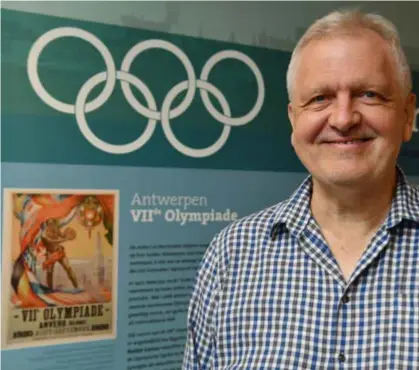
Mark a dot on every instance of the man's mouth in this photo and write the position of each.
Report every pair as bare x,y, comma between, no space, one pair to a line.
351,141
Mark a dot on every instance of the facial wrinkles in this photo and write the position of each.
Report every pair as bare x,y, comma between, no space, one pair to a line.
329,69
320,76
347,95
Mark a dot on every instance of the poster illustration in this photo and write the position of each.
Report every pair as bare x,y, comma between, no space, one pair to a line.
59,266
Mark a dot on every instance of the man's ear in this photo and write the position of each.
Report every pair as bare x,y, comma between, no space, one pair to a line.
410,113
291,117
291,114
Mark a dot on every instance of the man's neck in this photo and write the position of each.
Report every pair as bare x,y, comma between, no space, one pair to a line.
350,210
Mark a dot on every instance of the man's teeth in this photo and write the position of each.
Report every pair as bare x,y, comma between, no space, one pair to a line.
350,141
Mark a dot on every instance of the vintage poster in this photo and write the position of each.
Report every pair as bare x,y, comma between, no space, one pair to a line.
59,266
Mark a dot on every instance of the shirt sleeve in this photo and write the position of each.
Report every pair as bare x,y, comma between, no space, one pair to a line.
200,341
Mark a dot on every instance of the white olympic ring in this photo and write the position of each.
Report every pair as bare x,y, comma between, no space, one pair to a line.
91,137
197,153
155,44
39,46
259,79
81,106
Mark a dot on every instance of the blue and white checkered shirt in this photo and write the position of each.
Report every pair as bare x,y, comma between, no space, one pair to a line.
270,295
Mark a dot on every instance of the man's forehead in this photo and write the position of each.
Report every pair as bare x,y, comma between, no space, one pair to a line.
365,37
323,58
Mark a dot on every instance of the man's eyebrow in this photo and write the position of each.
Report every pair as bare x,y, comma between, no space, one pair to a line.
318,90
356,86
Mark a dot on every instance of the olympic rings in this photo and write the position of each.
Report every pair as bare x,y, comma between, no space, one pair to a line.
151,112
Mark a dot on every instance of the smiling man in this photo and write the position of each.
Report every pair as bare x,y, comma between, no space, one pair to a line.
328,278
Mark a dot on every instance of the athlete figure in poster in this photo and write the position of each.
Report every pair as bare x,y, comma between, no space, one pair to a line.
52,237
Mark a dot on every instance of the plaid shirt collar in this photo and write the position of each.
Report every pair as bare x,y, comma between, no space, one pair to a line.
295,213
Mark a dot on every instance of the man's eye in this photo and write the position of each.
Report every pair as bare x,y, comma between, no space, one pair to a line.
369,94
319,99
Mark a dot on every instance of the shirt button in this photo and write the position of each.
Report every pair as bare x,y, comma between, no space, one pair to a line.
342,357
345,299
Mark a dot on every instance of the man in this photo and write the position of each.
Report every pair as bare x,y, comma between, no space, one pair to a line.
329,278
52,238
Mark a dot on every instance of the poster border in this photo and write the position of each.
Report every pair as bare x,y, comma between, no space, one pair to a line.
6,256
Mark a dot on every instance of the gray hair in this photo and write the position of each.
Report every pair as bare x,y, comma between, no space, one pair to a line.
345,22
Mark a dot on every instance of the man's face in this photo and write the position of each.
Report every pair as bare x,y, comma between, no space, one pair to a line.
53,228
348,111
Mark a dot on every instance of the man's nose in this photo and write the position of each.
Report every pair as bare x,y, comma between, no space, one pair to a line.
344,115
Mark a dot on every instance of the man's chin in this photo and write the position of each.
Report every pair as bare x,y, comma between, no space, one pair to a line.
345,177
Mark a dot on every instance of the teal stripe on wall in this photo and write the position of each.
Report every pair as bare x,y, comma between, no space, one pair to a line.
34,132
